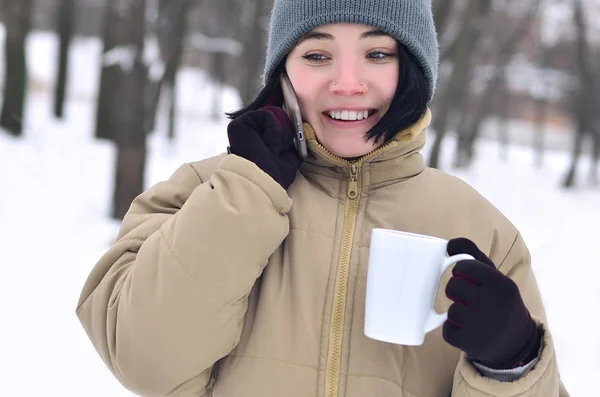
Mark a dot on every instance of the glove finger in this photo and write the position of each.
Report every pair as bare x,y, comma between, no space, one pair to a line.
246,144
476,272
281,115
291,156
244,134
452,335
288,165
257,128
271,131
462,291
287,127
241,127
463,245
457,314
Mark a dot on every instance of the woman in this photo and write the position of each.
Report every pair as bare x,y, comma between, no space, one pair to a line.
244,274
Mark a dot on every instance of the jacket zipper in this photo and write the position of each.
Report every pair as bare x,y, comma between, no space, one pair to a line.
336,329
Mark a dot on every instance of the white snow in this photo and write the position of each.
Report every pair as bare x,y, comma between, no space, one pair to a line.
55,193
123,55
216,44
557,21
156,67
524,77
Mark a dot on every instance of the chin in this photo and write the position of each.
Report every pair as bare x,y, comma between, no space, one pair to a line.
348,153
345,146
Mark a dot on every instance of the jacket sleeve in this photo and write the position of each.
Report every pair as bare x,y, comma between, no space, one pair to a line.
543,378
168,300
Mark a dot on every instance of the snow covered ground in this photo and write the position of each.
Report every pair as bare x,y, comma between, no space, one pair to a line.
55,191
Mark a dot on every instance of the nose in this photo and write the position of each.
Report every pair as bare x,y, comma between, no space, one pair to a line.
347,80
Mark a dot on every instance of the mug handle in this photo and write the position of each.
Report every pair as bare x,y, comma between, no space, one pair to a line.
435,320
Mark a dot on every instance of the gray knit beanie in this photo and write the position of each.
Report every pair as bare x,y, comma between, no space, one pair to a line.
409,21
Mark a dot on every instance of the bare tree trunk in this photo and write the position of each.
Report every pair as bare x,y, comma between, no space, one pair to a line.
594,171
541,105
254,49
442,10
466,145
17,23
219,76
456,91
571,175
539,137
105,124
541,112
504,120
64,21
172,31
594,176
172,109
585,106
130,135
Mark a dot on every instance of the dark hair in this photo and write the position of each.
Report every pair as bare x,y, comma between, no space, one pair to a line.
407,107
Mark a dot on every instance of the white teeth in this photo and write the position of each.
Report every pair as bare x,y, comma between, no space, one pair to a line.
349,115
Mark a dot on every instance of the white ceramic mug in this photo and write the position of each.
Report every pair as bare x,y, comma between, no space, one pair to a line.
402,281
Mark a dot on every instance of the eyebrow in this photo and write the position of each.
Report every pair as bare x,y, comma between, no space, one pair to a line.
326,36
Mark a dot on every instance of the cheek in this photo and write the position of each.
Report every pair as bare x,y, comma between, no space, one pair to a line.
307,90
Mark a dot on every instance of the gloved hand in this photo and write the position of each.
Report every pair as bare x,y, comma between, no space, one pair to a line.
488,319
266,137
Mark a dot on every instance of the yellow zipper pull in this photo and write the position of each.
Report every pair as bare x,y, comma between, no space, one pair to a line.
353,184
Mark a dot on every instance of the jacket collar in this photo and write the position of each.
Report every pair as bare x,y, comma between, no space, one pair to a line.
398,159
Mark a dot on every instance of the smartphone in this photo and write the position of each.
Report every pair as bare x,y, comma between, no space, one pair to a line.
291,107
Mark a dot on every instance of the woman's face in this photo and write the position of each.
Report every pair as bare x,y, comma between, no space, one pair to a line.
345,77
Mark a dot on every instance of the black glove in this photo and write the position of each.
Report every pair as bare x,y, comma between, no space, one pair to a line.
266,137
488,319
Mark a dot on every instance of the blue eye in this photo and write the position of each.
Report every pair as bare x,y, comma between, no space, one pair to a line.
375,56
379,56
315,57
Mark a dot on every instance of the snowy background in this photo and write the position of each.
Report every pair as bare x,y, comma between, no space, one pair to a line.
55,192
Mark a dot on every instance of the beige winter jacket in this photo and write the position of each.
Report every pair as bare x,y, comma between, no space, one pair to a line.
223,284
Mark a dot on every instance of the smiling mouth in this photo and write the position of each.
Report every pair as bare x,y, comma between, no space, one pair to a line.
350,115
